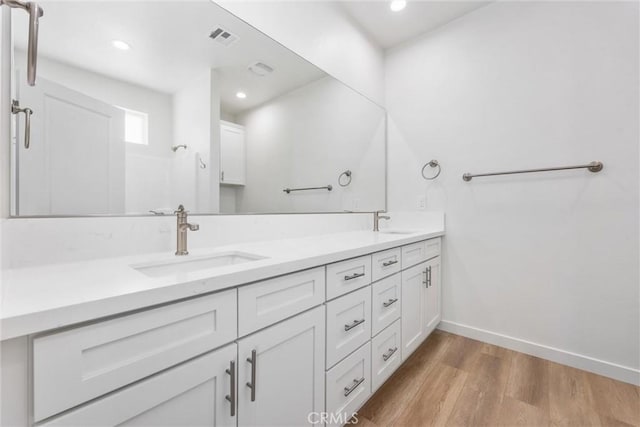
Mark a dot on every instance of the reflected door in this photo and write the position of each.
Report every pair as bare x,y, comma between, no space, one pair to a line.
75,164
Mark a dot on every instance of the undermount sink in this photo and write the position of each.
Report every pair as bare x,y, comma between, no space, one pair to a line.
188,264
397,231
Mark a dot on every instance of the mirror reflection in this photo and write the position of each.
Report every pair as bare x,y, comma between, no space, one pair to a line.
142,106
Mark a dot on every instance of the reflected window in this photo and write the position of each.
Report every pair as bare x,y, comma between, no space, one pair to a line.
136,127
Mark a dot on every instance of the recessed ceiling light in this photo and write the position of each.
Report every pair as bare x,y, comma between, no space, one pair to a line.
241,95
119,44
397,5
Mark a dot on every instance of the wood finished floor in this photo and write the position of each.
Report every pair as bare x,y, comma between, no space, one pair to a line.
455,381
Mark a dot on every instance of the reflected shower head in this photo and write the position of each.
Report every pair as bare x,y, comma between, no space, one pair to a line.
175,147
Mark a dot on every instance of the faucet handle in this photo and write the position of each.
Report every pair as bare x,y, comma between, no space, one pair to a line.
194,227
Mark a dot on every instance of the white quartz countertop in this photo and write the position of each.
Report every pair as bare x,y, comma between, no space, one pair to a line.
37,299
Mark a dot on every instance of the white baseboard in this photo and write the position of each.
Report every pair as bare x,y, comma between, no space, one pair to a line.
579,361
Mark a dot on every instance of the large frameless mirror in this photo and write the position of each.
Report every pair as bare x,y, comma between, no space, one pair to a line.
142,106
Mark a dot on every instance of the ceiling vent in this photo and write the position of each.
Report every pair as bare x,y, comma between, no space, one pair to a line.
260,69
223,36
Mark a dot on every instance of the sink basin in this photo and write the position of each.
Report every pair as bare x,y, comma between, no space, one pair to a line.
397,231
189,264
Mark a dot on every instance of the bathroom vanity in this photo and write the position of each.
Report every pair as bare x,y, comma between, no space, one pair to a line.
293,330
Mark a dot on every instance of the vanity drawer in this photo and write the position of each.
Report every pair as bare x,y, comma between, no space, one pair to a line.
80,364
346,276
386,349
264,303
348,324
386,302
416,253
385,263
348,384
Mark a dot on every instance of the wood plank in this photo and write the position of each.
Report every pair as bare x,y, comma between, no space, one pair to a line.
529,381
435,399
390,400
462,353
570,397
514,412
481,397
614,400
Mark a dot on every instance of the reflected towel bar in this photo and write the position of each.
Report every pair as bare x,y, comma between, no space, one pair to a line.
327,187
593,167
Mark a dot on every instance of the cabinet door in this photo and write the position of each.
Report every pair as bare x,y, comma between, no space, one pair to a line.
281,372
191,394
413,308
433,295
232,156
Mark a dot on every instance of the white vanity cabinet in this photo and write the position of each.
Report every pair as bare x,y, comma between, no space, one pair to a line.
283,351
281,372
192,394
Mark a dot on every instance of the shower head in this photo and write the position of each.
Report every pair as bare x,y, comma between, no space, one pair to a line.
175,147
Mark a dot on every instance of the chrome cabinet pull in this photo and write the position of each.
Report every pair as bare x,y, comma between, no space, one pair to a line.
353,325
426,277
390,302
35,13
388,263
386,356
353,276
429,277
356,383
15,109
252,384
231,397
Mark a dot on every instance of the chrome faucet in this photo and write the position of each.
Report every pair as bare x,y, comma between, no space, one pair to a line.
376,219
183,227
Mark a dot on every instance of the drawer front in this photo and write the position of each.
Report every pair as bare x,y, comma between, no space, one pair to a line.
433,248
413,254
80,364
386,354
386,302
348,324
349,275
385,263
191,394
349,385
264,303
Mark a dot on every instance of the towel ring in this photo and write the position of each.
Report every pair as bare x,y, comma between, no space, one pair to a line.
346,173
433,164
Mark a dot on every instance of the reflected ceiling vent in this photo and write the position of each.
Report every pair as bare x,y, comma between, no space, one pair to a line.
223,36
260,69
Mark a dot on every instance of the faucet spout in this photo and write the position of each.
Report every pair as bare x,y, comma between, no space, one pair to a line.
376,219
181,230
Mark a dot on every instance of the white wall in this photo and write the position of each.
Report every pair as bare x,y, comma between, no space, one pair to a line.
322,33
195,123
547,259
307,138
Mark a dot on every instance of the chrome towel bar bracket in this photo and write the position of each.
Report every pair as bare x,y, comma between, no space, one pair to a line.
592,167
